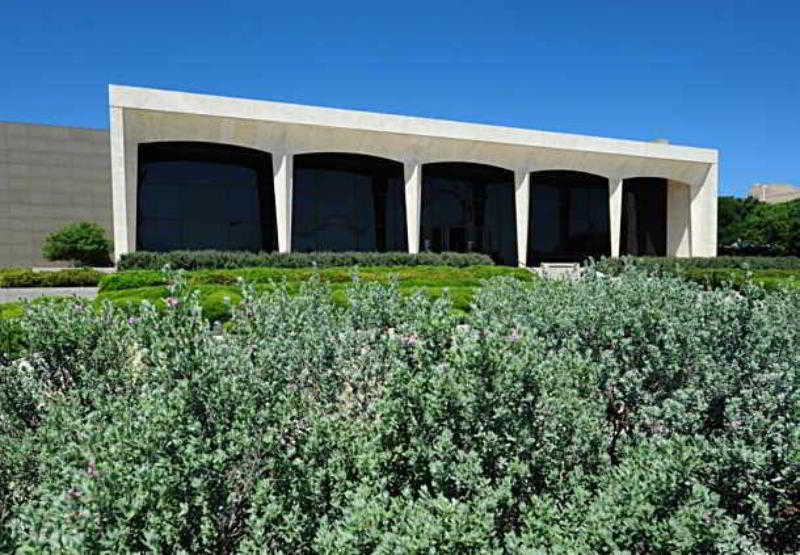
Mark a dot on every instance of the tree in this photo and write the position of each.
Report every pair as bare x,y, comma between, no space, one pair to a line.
748,226
732,211
83,243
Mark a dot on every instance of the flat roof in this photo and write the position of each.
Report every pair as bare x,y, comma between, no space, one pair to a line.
280,112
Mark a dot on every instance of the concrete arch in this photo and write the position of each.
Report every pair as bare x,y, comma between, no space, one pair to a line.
204,195
469,207
344,201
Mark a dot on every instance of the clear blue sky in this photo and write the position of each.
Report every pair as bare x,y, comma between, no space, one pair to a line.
716,73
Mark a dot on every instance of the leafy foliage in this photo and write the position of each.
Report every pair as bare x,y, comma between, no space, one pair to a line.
639,414
208,259
747,226
84,243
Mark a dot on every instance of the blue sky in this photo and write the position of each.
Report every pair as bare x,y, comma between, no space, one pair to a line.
716,73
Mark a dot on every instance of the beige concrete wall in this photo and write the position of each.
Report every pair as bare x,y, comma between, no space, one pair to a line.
49,176
284,130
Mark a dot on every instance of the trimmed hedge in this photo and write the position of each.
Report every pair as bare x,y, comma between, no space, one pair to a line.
213,259
671,265
771,280
24,277
441,276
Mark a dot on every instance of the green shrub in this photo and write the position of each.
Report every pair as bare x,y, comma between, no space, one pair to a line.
441,276
210,259
673,265
640,414
82,277
83,243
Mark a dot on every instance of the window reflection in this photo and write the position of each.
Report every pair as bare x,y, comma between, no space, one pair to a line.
204,196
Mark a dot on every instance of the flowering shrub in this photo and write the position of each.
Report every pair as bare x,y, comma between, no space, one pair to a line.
637,414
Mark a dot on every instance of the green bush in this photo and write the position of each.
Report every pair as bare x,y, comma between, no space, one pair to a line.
639,414
83,243
441,276
83,277
211,259
674,265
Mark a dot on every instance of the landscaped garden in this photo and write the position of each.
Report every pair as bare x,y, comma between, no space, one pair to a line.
634,410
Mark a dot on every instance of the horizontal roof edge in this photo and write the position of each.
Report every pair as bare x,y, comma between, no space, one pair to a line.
219,106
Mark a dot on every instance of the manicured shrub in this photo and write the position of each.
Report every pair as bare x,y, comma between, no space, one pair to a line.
635,414
83,277
83,243
210,259
673,265
441,276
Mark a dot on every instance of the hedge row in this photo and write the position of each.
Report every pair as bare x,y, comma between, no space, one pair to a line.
423,276
771,280
209,259
24,277
670,265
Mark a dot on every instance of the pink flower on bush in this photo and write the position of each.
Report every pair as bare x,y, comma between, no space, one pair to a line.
172,302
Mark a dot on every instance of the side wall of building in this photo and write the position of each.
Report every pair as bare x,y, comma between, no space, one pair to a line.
50,176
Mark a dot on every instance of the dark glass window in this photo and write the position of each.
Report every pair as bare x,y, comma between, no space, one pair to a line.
644,217
469,207
569,219
348,202
205,196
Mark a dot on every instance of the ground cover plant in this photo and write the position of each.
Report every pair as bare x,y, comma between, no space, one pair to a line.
638,414
213,259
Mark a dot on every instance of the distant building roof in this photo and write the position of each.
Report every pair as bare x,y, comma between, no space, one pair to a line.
774,193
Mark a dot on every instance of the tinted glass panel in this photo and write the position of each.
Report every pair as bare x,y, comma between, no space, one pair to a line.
569,218
469,207
204,196
644,217
348,202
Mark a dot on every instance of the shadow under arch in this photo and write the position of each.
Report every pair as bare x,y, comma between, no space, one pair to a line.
200,195
569,217
469,207
348,202
643,223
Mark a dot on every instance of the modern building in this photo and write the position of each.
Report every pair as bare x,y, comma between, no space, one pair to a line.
192,171
774,193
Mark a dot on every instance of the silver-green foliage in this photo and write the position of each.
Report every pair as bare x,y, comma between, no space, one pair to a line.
636,414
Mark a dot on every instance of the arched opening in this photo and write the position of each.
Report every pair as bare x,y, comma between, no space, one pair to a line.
469,207
569,217
348,202
194,195
643,228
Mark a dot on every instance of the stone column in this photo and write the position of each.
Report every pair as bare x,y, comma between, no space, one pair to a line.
283,174
703,215
678,228
413,179
124,239
522,196
615,213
